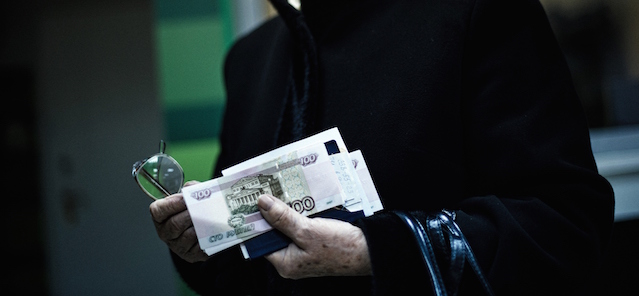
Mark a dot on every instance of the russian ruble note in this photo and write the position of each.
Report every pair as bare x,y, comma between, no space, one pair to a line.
332,134
340,159
224,210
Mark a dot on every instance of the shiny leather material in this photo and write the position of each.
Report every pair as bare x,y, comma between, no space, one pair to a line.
426,249
445,251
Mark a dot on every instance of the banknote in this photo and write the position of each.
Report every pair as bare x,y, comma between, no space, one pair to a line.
355,196
332,134
374,201
340,159
224,210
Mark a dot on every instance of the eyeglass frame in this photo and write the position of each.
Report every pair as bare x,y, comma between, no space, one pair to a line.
139,166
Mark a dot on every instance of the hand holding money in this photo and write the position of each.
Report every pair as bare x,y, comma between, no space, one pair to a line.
321,247
315,176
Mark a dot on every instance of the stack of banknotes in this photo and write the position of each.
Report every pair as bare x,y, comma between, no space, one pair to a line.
315,176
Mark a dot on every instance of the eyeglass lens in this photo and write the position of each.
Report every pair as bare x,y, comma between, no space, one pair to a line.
160,176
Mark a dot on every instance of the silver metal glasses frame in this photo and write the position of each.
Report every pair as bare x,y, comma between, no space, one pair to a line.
138,170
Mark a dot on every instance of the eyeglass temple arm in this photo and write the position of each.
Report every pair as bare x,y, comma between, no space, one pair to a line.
155,182
162,146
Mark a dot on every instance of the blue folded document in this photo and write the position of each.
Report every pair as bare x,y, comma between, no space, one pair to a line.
274,240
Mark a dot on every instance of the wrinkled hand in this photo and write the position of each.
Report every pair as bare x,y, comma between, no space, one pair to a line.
174,226
320,247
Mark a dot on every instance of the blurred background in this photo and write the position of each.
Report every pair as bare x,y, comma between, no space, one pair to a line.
91,86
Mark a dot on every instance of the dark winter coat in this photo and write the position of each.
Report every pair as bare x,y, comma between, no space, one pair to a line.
460,104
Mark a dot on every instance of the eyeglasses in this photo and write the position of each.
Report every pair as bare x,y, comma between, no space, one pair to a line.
161,175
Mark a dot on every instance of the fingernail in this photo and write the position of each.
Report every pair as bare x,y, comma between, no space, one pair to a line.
189,183
265,202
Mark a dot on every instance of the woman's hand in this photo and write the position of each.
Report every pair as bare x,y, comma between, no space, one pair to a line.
174,226
320,247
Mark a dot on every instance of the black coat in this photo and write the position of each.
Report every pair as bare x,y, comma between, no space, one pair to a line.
458,104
